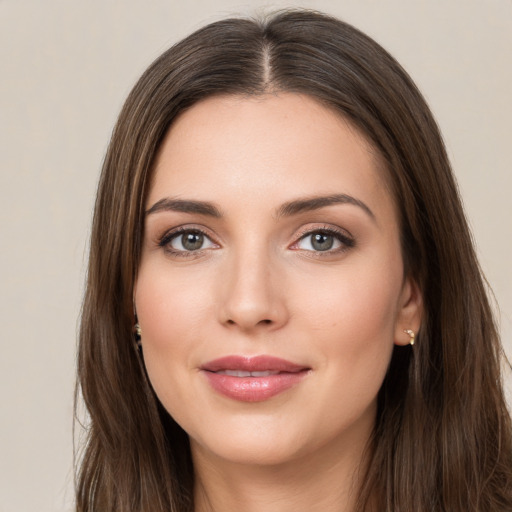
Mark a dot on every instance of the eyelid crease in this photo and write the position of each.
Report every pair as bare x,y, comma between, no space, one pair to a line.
171,233
325,228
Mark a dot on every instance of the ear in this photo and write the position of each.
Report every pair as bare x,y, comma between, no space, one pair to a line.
410,311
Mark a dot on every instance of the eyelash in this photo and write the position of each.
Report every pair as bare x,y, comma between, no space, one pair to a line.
169,236
346,241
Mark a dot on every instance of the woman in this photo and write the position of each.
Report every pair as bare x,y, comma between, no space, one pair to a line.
284,309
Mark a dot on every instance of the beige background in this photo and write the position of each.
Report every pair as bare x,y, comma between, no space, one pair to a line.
65,69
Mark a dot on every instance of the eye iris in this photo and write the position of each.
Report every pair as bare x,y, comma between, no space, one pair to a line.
192,241
322,242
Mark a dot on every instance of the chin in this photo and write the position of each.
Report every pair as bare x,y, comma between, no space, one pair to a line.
250,450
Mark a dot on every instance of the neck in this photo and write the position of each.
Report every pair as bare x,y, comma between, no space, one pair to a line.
327,480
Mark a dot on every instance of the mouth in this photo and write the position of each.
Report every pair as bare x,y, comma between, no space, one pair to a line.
253,379
253,365
241,373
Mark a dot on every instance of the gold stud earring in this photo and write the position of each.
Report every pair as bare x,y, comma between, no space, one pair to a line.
411,335
137,334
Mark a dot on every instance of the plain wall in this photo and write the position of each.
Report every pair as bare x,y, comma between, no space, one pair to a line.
66,68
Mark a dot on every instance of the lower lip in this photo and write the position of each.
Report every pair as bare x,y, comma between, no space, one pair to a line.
253,389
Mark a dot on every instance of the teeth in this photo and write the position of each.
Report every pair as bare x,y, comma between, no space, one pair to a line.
236,373
241,373
263,374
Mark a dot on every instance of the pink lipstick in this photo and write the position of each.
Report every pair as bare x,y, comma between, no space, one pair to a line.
252,379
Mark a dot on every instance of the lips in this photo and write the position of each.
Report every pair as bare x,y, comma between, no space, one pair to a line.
253,379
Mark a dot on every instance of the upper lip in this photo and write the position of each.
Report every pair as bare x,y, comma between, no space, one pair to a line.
253,364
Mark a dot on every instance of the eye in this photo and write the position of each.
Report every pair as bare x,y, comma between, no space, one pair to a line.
186,240
324,240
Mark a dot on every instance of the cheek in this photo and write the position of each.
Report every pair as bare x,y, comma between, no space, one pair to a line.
171,313
361,305
351,318
170,304
352,326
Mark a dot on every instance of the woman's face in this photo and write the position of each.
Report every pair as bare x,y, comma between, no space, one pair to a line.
271,246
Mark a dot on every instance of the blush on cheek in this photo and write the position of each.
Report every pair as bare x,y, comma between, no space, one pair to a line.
362,309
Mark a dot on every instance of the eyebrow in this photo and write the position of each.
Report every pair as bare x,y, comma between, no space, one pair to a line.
286,210
186,206
315,203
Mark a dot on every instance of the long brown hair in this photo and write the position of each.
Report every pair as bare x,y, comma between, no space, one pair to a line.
442,439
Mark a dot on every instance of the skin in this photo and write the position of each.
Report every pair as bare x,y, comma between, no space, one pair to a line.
258,286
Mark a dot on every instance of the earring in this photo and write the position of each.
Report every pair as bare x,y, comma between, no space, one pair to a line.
411,334
137,334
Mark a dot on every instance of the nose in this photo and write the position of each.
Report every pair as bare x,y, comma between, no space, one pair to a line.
253,294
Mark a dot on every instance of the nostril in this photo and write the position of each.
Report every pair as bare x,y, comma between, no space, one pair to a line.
265,321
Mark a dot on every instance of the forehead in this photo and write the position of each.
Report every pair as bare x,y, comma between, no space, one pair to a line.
272,147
